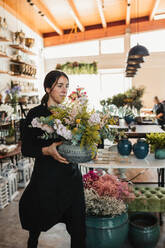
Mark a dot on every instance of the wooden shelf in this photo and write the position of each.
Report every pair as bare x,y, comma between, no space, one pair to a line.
22,49
4,56
21,62
4,72
4,39
22,76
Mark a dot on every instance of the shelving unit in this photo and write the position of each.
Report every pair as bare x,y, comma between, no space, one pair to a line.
22,49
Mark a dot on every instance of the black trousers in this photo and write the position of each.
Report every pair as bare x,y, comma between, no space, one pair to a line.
74,218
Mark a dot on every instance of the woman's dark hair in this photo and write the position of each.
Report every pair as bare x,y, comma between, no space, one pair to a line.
50,81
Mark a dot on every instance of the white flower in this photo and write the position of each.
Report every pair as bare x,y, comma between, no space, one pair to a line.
94,119
35,123
47,128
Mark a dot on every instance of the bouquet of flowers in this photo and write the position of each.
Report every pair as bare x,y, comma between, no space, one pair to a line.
73,122
105,194
13,94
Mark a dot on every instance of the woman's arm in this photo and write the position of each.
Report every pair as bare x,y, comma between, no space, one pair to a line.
33,145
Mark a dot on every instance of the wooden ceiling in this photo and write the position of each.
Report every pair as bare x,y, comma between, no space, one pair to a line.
66,21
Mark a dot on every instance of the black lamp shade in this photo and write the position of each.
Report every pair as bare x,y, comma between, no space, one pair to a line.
138,51
130,75
132,67
135,61
131,71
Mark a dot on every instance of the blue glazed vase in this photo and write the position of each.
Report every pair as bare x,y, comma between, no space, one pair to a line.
160,153
105,232
141,149
124,147
128,119
144,230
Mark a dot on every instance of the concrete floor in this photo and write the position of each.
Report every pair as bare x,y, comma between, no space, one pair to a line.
12,236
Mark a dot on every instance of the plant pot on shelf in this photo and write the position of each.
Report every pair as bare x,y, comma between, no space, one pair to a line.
124,147
141,149
105,232
144,230
160,153
129,119
10,140
75,154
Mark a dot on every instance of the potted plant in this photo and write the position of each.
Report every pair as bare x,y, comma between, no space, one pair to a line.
157,144
74,124
106,210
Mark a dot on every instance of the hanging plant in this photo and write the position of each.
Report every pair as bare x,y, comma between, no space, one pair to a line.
78,68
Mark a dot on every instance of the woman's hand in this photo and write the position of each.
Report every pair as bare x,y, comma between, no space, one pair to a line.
52,151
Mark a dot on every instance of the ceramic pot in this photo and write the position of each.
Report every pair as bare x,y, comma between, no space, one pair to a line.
75,154
144,230
124,147
106,232
141,149
160,153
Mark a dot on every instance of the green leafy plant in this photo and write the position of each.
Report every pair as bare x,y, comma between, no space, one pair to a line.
131,98
156,140
78,68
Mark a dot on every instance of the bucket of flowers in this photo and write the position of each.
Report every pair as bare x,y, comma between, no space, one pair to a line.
106,209
74,124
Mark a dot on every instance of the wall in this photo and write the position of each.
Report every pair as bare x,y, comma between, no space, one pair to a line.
15,25
151,74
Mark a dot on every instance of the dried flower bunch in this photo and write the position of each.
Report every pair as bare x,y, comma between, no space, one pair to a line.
106,195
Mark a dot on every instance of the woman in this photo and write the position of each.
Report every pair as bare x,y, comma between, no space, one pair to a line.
55,192
158,110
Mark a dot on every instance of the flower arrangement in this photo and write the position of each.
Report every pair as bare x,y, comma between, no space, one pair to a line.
72,122
105,194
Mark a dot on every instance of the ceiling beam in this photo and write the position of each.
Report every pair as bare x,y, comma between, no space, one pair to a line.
20,17
128,14
101,12
75,15
48,17
103,32
154,8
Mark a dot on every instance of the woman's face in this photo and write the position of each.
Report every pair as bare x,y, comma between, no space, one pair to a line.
58,93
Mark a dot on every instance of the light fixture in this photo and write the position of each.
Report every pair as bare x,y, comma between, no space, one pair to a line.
135,61
138,51
132,67
136,54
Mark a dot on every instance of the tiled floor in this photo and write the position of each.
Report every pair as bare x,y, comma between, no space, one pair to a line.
12,236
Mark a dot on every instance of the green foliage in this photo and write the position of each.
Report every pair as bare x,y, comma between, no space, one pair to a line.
78,68
156,140
131,98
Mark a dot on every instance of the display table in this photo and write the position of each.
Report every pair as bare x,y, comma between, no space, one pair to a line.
108,159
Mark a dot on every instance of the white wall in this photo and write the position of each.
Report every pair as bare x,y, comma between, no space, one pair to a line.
15,25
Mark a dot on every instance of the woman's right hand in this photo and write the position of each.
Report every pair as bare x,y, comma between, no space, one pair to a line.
52,151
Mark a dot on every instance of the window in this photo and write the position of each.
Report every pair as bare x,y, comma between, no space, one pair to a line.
115,45
113,82
90,82
72,50
101,86
154,41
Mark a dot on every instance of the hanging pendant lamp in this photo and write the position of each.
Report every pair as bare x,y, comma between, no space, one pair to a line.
138,51
135,61
132,67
